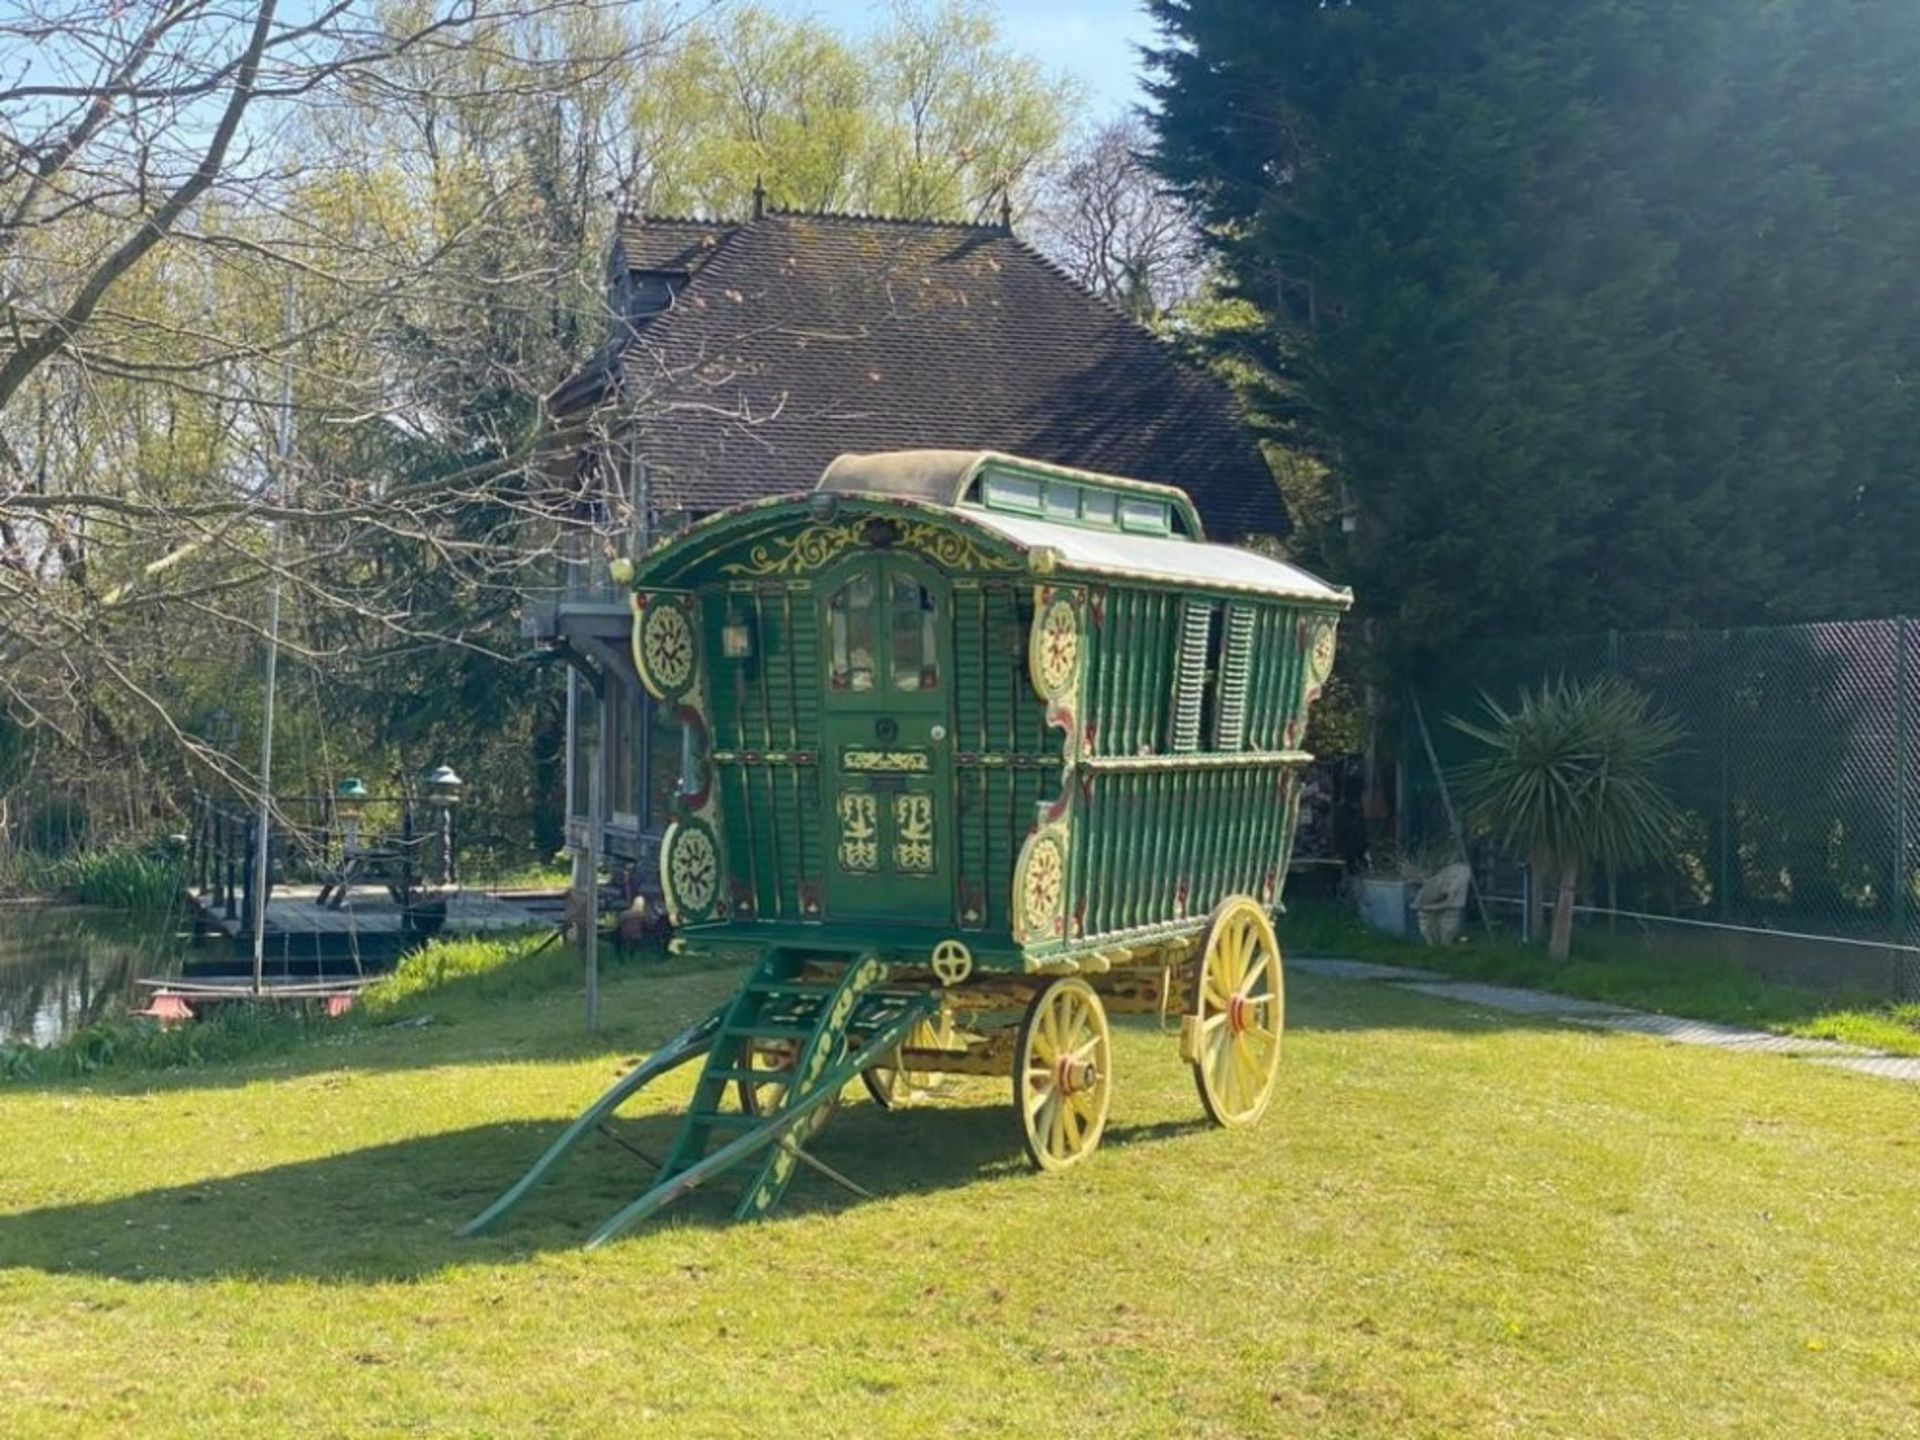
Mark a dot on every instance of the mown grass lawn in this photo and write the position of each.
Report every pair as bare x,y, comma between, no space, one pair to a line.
1453,1224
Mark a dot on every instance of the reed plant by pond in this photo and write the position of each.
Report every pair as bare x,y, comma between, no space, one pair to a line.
143,878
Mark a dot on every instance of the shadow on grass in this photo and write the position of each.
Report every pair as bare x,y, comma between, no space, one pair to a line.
388,1212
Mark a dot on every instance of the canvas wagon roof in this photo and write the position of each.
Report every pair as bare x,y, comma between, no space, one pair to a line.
755,352
946,478
942,477
942,481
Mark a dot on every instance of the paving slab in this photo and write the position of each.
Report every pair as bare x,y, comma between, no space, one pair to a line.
1682,1031
1601,1015
1887,1067
1517,1002
1359,970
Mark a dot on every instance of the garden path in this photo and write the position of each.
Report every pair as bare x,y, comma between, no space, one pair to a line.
1598,1014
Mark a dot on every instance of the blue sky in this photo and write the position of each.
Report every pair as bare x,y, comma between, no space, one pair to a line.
1091,40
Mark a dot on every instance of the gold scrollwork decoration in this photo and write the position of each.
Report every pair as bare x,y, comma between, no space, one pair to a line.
859,849
950,548
913,834
910,762
817,546
813,548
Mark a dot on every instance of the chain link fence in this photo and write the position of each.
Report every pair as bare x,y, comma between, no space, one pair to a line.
1799,776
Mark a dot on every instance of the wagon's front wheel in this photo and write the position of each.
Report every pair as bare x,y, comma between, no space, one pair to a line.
895,1088
1238,1012
1063,1074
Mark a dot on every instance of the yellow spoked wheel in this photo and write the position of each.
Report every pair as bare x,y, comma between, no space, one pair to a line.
776,1058
764,1097
893,1088
1063,1074
1232,1034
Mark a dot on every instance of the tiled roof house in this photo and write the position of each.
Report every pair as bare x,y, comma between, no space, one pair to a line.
746,356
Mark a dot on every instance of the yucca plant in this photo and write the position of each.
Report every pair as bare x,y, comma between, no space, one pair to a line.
1571,779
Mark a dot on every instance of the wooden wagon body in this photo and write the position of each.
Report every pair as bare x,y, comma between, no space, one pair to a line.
968,736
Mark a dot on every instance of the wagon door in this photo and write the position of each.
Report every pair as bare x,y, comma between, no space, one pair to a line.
886,713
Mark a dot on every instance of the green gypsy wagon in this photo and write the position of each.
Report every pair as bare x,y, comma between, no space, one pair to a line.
976,751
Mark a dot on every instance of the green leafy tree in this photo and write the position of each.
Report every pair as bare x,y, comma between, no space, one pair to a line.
1596,313
1571,779
933,116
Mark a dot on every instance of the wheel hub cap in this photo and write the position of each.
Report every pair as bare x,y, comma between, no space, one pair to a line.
1072,1077
1237,1017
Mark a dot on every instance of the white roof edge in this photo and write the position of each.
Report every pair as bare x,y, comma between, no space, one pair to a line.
1156,559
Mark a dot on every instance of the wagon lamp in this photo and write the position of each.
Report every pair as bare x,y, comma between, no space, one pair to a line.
443,787
736,639
349,802
443,793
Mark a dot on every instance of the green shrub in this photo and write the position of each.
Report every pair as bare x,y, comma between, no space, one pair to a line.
230,1032
125,877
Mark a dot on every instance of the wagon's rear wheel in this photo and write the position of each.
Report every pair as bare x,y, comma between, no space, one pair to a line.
1239,1011
1063,1074
776,1058
893,1088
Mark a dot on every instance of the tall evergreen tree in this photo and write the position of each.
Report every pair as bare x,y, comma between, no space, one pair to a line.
1598,310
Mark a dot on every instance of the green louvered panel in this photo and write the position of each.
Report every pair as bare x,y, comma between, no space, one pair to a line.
1131,657
1001,735
802,680
1236,673
1153,844
1190,674
766,725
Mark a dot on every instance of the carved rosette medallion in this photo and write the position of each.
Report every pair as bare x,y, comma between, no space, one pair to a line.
1054,655
1320,651
1040,888
690,870
664,650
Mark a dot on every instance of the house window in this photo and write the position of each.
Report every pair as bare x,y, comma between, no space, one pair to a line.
623,756
850,637
916,649
1099,507
583,744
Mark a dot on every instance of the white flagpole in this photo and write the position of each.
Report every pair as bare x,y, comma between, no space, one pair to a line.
263,825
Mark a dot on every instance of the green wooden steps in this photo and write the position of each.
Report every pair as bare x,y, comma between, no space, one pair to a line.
831,1030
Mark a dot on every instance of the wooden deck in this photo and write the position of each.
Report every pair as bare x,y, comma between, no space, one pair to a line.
295,910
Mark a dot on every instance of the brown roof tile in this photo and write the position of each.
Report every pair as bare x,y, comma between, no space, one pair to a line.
800,337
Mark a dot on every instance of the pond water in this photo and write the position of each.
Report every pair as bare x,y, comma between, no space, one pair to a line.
62,968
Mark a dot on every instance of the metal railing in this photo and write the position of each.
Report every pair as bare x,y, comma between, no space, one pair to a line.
1799,778
316,839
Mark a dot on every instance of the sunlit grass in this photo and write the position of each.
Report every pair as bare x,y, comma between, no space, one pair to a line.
1625,972
1451,1225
